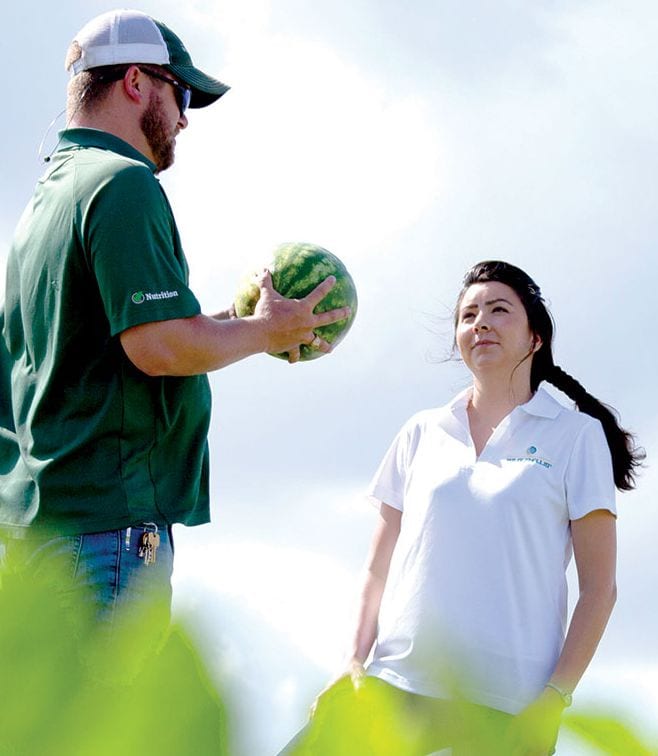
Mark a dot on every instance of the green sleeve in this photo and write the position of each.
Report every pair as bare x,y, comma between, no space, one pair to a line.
134,250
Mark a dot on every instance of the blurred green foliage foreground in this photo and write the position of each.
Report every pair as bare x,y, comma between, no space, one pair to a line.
364,723
69,688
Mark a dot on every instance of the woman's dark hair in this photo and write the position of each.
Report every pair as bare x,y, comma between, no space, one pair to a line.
626,456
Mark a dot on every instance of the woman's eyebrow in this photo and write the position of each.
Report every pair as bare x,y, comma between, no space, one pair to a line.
488,303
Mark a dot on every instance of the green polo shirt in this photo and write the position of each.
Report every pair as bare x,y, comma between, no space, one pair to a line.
102,445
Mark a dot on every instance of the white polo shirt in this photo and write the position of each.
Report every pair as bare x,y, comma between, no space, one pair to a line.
476,600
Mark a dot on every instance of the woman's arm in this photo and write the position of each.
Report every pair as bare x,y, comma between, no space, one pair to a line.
376,572
595,552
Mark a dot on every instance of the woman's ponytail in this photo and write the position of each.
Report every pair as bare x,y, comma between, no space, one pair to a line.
626,456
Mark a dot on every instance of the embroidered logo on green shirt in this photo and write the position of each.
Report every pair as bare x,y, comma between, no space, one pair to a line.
139,297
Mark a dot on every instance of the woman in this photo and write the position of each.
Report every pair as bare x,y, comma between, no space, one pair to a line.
482,504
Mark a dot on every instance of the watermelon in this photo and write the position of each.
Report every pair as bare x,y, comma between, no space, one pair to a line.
297,268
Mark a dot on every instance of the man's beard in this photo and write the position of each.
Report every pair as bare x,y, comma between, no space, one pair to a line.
158,134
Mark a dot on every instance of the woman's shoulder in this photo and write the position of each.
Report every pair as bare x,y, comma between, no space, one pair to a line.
564,412
432,417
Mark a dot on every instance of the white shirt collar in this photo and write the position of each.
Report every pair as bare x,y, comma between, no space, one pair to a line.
542,404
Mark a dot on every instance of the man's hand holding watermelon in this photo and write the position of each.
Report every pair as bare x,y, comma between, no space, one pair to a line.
304,273
292,321
201,344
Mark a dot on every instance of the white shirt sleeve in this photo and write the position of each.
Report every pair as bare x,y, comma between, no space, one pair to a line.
389,482
589,477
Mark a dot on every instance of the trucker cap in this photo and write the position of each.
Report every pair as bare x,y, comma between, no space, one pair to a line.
130,36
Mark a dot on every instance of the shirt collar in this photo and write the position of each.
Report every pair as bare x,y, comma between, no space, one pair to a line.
86,137
542,404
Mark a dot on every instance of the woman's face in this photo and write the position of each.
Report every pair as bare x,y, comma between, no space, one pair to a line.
492,329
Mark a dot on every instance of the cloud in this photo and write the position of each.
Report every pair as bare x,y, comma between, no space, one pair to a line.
304,147
607,53
288,589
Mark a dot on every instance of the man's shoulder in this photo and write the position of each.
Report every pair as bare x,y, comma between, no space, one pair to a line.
110,163
99,154
104,173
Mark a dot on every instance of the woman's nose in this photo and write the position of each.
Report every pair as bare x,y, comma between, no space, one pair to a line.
480,324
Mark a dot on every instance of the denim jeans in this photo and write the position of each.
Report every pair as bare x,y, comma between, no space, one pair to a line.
103,570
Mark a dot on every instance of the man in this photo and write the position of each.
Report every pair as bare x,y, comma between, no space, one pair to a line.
104,443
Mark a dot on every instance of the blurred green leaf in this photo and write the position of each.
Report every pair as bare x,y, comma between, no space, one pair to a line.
71,688
607,733
353,722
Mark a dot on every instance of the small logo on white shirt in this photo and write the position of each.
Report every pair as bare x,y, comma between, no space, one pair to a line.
532,450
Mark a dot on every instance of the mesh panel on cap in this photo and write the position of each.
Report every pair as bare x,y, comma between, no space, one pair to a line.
139,31
122,36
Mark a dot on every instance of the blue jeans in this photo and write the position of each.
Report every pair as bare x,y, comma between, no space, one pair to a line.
103,570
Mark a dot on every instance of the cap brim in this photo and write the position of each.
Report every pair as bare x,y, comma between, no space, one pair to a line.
205,89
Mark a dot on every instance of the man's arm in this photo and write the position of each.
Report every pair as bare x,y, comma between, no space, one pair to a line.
228,314
201,344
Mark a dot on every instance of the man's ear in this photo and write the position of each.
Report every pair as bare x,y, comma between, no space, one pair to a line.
132,84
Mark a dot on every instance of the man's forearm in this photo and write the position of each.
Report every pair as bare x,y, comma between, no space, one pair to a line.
192,346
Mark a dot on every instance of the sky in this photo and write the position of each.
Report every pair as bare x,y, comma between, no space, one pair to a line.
412,140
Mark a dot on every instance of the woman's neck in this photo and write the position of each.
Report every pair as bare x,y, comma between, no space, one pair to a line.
488,405
492,401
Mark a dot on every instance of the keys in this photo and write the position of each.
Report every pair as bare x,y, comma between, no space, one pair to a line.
148,545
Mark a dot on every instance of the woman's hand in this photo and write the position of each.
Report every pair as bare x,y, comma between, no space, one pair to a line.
356,672
533,732
353,675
